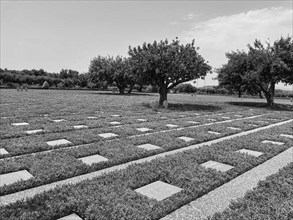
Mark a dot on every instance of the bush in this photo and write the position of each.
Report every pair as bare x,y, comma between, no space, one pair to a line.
152,89
45,85
185,88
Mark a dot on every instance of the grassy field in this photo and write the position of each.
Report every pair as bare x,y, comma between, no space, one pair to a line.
112,196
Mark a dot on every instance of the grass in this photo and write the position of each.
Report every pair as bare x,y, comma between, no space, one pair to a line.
39,107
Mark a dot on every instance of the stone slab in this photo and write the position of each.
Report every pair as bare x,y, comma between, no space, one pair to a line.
272,142
59,120
89,160
217,166
34,131
143,129
224,117
141,119
211,119
115,115
20,124
158,190
80,126
148,147
172,126
3,151
13,177
233,128
287,135
163,117
252,125
250,152
71,217
239,116
213,132
108,135
92,117
193,122
186,139
114,123
58,142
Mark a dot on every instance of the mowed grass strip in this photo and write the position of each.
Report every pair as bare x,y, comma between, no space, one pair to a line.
271,199
113,195
119,152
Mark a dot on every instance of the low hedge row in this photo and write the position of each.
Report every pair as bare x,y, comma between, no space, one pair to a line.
112,196
271,199
62,164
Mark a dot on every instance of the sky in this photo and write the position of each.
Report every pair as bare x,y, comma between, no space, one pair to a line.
55,35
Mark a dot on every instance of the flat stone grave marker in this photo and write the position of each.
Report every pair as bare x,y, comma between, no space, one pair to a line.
233,128
141,119
80,126
252,125
13,177
213,132
59,120
250,152
93,159
182,116
20,124
115,115
287,135
217,166
172,126
186,139
193,122
115,123
148,147
239,116
34,131
272,142
107,135
92,117
158,190
163,117
144,129
71,217
3,151
211,119
58,142
262,122
224,117
196,114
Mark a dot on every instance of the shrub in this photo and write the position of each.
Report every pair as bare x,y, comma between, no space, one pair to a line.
45,85
185,88
152,89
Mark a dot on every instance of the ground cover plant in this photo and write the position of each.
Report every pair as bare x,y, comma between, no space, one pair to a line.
112,196
39,108
271,199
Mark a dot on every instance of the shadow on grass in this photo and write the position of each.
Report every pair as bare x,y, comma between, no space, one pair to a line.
124,94
188,107
276,107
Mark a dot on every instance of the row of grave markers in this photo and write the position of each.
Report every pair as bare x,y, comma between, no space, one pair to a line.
10,178
159,190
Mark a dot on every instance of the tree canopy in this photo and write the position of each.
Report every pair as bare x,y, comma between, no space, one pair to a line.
166,65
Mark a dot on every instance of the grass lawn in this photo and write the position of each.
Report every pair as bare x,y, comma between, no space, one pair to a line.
112,196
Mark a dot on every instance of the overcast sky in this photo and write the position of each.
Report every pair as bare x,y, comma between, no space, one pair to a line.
55,35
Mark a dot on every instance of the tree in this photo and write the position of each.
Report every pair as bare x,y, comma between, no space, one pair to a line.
271,64
166,65
111,70
232,75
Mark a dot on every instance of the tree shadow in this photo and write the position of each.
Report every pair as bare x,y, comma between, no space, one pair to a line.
123,94
188,107
276,107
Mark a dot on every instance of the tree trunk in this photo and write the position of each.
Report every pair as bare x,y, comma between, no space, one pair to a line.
270,94
140,88
260,95
239,93
130,88
121,89
163,94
